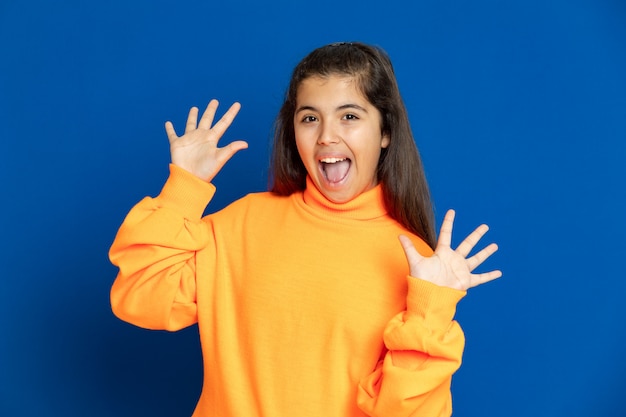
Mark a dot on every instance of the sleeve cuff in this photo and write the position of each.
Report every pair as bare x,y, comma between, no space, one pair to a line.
186,193
436,305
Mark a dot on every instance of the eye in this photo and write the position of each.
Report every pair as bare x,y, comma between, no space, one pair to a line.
350,116
309,119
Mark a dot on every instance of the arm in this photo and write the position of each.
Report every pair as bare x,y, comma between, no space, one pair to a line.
155,251
424,344
156,245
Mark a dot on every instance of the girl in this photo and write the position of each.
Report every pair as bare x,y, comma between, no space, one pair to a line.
306,302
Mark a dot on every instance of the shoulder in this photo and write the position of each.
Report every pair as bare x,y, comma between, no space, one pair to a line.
256,202
262,198
256,213
420,244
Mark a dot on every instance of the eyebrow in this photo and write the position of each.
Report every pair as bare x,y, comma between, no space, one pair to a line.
342,107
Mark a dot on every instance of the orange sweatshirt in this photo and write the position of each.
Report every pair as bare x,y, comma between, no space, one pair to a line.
304,307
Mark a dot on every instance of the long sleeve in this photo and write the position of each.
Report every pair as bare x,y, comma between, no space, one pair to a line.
291,295
155,251
424,348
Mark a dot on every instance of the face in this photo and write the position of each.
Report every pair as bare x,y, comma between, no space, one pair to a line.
338,135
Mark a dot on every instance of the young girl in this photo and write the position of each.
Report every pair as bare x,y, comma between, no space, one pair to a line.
322,297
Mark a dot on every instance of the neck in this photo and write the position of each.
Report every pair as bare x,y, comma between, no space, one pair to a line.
367,205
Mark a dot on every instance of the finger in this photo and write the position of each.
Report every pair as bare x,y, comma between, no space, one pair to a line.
412,255
445,234
478,279
192,119
224,123
471,240
229,150
481,256
171,133
225,153
209,114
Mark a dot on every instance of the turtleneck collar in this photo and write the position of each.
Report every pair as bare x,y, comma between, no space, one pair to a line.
368,205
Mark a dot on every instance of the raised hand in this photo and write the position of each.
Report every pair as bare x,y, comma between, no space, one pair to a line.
196,151
448,267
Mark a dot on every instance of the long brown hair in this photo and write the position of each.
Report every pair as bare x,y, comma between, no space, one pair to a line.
400,170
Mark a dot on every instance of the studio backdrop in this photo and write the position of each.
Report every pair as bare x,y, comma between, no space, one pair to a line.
519,112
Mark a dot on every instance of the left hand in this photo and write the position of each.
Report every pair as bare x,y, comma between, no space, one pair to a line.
448,267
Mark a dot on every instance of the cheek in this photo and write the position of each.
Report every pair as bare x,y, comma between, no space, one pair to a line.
300,138
304,152
374,149
375,158
299,142
305,141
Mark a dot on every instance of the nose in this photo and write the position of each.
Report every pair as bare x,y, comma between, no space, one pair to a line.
327,134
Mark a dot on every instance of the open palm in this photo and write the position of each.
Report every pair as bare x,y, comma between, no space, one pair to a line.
448,267
196,151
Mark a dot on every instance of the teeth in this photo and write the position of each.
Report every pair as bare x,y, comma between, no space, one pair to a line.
332,160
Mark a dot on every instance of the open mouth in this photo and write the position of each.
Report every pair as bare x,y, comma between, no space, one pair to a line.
335,170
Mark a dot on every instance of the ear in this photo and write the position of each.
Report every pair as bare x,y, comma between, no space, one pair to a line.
384,140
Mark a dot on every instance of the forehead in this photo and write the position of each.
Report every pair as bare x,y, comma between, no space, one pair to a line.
330,88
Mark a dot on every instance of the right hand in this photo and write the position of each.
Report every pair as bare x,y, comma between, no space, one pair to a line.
196,151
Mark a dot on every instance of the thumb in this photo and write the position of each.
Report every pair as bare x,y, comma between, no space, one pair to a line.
227,152
413,257
237,146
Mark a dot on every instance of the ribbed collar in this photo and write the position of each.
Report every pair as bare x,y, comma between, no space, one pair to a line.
369,205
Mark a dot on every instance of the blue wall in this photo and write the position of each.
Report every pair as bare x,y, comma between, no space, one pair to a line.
519,109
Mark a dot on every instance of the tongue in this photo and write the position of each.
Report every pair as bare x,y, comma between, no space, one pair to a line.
337,171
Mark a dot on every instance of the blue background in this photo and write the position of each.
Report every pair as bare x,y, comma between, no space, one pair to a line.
518,107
